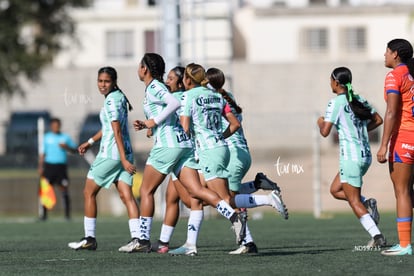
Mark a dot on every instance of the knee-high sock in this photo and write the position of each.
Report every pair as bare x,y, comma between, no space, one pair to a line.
194,224
404,230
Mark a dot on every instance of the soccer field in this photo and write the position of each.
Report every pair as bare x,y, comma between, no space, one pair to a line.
300,246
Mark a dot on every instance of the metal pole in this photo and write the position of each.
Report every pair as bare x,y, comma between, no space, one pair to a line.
317,203
40,138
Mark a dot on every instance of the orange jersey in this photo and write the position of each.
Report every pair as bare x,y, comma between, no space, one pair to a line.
400,82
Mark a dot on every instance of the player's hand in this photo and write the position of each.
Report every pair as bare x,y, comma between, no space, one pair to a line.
382,154
139,125
320,121
149,133
130,168
83,148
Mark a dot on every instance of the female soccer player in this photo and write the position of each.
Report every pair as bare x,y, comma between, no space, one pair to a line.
399,135
114,162
175,189
172,152
353,117
202,111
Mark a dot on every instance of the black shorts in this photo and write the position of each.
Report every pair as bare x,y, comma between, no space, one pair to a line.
56,174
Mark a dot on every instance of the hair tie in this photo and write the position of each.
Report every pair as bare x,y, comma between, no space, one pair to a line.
209,86
349,91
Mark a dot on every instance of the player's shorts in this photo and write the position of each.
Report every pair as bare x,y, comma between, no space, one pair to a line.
106,171
56,174
402,148
214,162
351,172
239,164
187,160
166,160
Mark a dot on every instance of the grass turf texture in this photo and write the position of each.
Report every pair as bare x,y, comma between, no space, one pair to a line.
300,246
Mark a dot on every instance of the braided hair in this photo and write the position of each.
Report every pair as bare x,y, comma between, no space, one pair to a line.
114,77
196,73
344,77
155,64
216,80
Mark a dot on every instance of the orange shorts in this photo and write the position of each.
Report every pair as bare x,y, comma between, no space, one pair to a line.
402,148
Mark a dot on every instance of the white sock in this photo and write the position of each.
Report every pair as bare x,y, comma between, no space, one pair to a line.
166,233
194,224
251,201
248,237
225,209
134,227
369,225
90,226
247,188
145,228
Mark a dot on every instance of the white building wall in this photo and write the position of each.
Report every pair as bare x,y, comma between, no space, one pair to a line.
274,35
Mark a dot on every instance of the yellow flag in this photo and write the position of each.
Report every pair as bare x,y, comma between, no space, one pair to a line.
47,194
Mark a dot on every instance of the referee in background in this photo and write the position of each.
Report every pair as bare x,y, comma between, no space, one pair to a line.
53,162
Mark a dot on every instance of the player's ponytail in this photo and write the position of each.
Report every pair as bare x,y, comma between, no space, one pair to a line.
410,65
216,81
344,77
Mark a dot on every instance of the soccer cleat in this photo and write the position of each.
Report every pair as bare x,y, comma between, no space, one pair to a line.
371,205
186,249
262,182
397,250
87,243
377,241
136,245
245,249
160,247
239,226
276,201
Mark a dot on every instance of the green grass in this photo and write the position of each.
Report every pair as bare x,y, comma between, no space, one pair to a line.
299,246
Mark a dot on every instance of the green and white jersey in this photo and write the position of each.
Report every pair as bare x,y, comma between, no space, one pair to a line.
353,134
114,109
169,133
179,95
237,139
205,108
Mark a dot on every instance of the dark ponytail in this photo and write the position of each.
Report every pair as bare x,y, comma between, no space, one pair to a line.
114,77
155,64
410,65
216,80
344,77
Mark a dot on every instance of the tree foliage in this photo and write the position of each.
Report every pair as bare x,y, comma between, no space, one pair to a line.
30,32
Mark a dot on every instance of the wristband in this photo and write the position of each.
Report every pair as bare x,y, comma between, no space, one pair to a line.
91,141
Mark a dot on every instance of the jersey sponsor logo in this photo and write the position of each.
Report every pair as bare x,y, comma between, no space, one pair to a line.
210,100
407,146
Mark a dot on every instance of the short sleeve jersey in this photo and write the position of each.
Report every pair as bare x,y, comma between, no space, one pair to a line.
168,133
54,153
114,109
237,140
353,134
205,108
400,82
